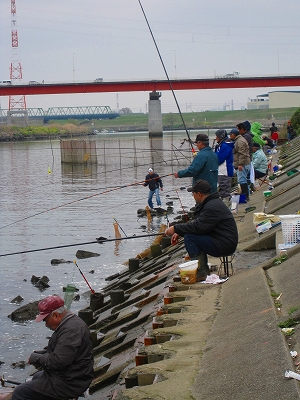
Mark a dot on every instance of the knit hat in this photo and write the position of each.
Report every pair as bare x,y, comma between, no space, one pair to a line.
150,170
247,125
221,133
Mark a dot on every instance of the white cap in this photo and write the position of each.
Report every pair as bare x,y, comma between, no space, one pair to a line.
150,170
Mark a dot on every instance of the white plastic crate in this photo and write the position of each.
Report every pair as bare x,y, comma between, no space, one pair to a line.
290,225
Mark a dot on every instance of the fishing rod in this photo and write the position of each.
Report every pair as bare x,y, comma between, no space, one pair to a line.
171,87
98,240
92,290
3,381
180,152
83,198
119,226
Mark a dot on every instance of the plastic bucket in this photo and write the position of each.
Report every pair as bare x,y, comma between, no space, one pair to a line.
243,199
188,272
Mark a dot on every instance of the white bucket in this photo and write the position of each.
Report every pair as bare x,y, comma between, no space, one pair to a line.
188,271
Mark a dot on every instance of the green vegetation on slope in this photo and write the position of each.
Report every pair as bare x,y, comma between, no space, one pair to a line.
139,122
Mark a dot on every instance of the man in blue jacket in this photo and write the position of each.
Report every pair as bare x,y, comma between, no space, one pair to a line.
204,165
224,151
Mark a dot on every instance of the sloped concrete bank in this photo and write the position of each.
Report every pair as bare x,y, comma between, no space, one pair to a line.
156,338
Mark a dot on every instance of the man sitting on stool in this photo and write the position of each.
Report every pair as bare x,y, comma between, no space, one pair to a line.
213,231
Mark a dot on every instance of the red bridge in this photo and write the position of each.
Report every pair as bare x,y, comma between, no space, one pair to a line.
148,86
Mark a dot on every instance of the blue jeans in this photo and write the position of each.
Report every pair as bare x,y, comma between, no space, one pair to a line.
242,175
195,244
151,193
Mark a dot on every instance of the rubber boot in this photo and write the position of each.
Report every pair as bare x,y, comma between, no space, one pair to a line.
203,269
244,188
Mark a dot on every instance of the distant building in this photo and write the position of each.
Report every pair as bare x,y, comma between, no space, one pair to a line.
276,99
261,101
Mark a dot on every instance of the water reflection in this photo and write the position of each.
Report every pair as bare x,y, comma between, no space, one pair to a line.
73,171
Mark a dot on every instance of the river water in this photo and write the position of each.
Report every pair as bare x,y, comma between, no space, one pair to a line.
46,204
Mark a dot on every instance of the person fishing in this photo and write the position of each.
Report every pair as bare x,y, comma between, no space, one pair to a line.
66,363
204,166
213,230
154,182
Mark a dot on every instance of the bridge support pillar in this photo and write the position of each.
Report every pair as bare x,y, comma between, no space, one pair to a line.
155,117
17,117
78,152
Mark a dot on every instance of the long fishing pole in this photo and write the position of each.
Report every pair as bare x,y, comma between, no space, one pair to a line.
92,290
3,381
171,87
99,240
83,198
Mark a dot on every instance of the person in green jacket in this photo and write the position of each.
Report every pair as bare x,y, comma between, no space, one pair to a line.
256,132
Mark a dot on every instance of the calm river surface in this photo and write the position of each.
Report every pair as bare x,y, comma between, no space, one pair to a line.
47,204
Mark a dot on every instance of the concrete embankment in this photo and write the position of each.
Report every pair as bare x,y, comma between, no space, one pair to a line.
156,338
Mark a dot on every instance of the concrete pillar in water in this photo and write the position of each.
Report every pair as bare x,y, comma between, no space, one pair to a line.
78,151
96,301
155,117
116,297
156,250
87,316
134,264
165,242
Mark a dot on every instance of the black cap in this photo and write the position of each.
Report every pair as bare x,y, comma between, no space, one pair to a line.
202,137
201,186
256,145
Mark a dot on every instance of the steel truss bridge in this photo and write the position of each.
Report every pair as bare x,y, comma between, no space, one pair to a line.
61,113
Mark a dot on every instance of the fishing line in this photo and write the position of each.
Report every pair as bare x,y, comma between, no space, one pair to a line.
180,152
171,87
83,198
159,155
100,240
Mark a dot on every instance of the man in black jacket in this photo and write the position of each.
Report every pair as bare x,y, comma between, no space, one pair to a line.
154,182
213,230
67,361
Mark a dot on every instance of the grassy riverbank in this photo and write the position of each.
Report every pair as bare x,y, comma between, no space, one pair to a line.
139,122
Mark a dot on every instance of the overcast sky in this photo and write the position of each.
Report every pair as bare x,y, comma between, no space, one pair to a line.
66,40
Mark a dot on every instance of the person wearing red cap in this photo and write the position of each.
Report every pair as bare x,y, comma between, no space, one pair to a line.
67,361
